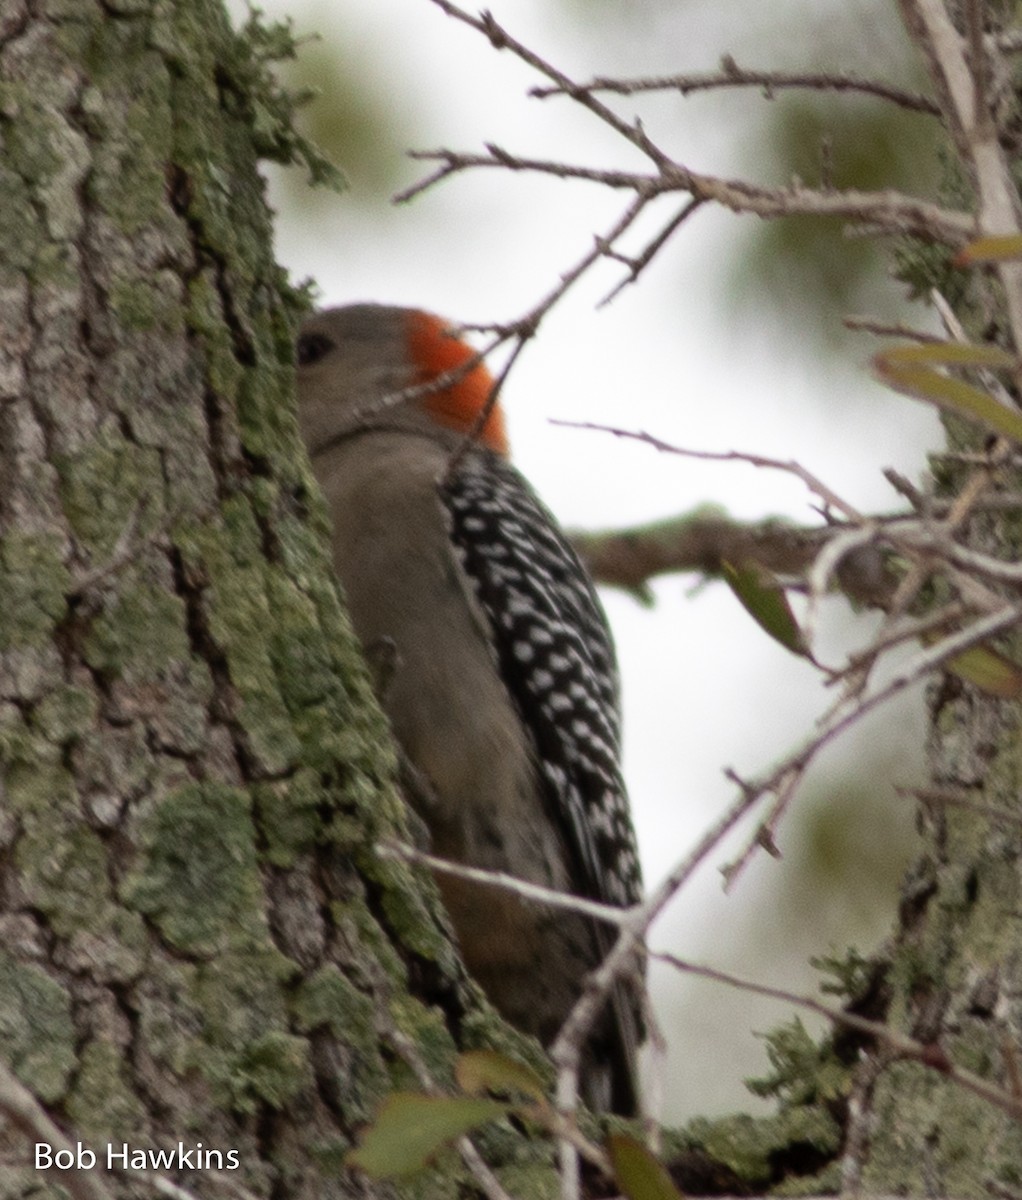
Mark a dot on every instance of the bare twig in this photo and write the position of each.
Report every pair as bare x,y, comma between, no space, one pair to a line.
491,1186
891,212
499,37
943,798
839,547
567,1047
638,264
28,1114
885,329
846,713
938,539
960,90
520,330
470,1156
533,892
830,498
930,1055
732,75
479,424
908,629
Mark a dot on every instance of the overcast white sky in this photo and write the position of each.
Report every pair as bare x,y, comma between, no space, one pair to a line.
704,688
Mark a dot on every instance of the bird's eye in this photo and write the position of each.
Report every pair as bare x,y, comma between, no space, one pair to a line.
312,347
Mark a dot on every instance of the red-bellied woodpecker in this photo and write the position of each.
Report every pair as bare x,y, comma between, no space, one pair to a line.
502,684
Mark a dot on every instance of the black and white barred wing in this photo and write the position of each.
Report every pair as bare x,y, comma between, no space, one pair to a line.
556,656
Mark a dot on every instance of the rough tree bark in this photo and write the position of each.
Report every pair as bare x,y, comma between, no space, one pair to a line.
197,944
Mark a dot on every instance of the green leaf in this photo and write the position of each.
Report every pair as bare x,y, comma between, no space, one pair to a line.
990,249
410,1129
479,1071
947,392
949,354
989,671
638,1173
763,598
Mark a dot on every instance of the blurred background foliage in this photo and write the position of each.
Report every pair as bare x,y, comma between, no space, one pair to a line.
871,146
359,125
395,74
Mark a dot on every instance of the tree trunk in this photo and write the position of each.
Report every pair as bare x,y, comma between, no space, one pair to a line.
200,951
197,943
955,972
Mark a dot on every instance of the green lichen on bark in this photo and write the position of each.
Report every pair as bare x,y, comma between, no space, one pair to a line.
199,883
950,1126
328,1000
98,513
267,1070
141,635
36,1033
101,1102
64,869
195,771
289,816
197,877
34,584
228,556
792,1151
409,902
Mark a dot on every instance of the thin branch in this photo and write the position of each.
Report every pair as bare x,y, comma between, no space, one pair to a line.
929,1054
942,798
937,539
566,1049
32,1119
500,39
534,892
601,248
452,162
830,498
409,1052
885,329
908,629
846,713
491,1186
732,75
959,88
479,424
841,546
638,264
892,212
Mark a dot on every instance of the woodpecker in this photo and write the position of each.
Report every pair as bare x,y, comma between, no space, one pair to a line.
501,687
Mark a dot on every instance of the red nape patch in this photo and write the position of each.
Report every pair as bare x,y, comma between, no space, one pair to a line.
434,351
